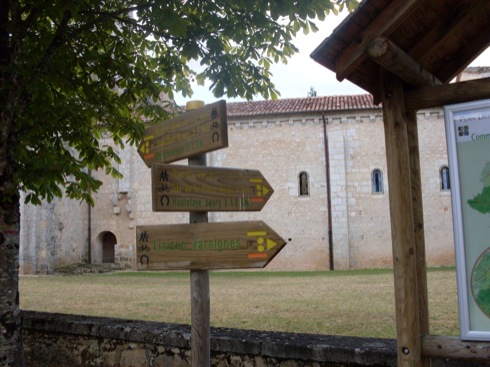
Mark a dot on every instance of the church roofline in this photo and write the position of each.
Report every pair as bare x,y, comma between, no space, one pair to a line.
301,105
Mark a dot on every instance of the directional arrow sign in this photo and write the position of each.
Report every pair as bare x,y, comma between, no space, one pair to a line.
194,132
225,245
193,188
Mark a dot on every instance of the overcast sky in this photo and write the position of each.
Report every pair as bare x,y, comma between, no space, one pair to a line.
294,79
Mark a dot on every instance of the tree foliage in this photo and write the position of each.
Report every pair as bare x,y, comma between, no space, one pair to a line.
72,71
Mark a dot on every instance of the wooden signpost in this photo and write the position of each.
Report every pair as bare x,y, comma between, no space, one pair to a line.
194,132
200,246
191,188
226,245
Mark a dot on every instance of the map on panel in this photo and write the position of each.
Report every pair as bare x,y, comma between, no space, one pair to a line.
480,275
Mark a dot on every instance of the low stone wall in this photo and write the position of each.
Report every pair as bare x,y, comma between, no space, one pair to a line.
59,340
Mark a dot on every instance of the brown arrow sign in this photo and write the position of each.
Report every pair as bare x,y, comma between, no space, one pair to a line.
225,245
192,188
194,132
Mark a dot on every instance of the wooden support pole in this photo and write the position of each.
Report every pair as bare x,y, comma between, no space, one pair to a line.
200,319
418,220
402,223
200,299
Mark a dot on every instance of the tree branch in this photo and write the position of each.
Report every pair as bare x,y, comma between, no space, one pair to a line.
57,40
4,34
119,12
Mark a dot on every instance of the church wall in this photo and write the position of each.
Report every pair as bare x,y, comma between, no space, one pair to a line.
112,213
52,235
369,231
438,223
122,204
281,147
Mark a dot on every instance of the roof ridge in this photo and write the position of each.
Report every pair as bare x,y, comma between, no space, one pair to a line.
301,104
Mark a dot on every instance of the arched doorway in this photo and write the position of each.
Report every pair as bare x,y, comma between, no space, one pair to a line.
108,242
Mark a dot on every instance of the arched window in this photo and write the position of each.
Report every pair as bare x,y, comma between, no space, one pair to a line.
304,184
377,181
445,184
108,242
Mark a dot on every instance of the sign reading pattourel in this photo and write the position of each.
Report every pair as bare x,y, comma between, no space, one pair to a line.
194,188
194,132
225,245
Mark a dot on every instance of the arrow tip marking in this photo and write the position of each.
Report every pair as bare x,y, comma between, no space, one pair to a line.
270,244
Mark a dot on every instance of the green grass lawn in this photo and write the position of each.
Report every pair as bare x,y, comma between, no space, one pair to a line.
355,303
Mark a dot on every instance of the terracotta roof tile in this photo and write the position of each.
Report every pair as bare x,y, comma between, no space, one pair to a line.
300,105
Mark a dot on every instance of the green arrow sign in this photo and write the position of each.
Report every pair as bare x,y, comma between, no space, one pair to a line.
225,245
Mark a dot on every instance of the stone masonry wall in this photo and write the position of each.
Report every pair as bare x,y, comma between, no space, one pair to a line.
281,148
52,235
56,340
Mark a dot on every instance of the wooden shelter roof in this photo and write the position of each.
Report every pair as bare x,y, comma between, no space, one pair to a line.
405,53
439,38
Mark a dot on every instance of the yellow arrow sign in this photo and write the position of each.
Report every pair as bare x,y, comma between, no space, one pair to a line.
191,188
194,132
263,239
225,245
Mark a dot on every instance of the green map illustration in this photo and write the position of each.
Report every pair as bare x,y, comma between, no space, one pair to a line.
480,276
480,282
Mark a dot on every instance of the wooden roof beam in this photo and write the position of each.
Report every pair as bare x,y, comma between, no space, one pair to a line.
474,13
437,96
395,60
390,18
465,56
433,40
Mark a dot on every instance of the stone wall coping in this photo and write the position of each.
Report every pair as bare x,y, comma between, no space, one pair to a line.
312,347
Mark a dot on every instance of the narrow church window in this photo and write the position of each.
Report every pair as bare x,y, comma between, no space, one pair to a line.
303,184
445,184
377,181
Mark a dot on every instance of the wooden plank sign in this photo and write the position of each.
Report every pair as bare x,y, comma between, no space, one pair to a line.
191,188
224,245
194,132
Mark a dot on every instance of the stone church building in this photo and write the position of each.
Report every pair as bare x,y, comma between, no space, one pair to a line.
323,156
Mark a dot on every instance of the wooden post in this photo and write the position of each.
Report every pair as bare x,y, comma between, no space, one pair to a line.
200,318
200,300
402,223
418,221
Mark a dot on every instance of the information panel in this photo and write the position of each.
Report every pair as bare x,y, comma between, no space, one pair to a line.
468,139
